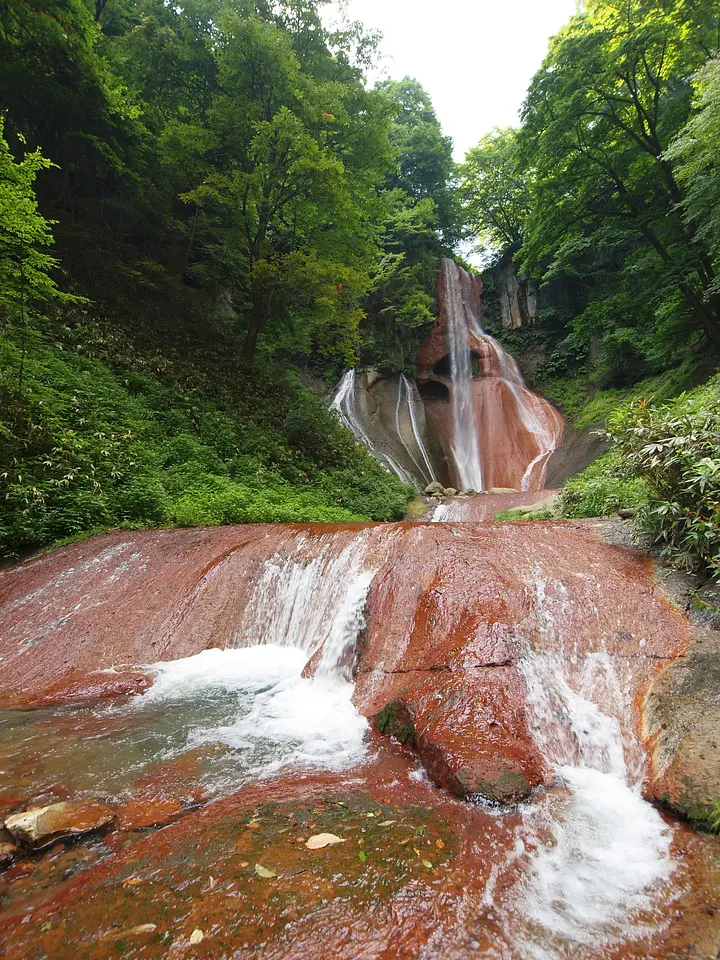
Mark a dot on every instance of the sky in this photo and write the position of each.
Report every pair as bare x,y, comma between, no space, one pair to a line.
474,57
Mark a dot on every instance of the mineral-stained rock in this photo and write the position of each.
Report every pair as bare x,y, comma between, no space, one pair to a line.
682,723
468,732
41,826
138,814
8,852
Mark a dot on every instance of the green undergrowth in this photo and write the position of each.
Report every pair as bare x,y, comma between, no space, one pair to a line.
602,488
524,513
665,463
585,406
105,434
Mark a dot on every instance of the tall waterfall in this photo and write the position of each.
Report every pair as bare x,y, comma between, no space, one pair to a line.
461,321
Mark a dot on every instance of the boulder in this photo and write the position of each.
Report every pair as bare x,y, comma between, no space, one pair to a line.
41,826
449,492
434,489
141,813
681,720
469,735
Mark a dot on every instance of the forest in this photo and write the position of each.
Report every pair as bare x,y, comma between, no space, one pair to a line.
207,214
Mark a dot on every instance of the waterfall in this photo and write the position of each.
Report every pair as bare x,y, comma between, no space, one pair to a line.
313,599
345,404
465,436
405,400
487,423
598,851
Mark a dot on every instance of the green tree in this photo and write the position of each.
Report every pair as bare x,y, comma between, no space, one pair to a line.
694,156
597,121
496,192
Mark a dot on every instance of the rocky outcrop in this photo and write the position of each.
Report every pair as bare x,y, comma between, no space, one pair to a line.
469,734
681,720
41,826
517,430
518,298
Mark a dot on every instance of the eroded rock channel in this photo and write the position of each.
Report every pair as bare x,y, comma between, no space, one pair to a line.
460,705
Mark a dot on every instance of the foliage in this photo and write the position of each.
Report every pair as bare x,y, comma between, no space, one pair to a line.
707,816
675,446
136,445
495,191
611,185
602,488
694,152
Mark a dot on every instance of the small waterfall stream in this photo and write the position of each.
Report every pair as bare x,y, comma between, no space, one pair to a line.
461,322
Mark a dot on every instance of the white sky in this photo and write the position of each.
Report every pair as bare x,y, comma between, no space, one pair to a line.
474,57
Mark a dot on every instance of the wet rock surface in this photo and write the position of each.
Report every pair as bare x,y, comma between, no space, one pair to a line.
682,723
41,826
454,614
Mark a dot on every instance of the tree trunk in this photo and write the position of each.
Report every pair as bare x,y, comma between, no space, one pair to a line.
257,321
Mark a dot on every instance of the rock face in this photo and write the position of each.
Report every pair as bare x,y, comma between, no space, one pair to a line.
518,298
517,430
42,826
682,723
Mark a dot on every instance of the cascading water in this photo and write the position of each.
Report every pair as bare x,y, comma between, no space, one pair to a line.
345,404
599,851
461,321
405,402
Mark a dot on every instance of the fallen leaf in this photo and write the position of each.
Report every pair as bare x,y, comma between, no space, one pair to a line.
132,881
196,936
439,844
426,863
212,881
420,831
321,840
403,842
244,863
370,814
416,851
130,931
263,872
386,823
45,927
362,856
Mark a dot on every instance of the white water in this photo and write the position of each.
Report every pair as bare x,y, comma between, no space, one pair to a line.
271,716
405,401
346,406
260,706
460,320
597,850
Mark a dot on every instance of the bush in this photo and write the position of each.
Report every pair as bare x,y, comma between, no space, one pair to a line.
134,441
675,447
602,488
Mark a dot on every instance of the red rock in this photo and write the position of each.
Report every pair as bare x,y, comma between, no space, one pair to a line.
140,814
508,443
469,733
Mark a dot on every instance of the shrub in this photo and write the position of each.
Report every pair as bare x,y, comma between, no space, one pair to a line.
675,447
602,488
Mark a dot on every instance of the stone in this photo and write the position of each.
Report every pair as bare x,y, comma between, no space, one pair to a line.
470,493
8,852
449,492
41,826
434,489
502,490
626,513
141,813
473,754
681,721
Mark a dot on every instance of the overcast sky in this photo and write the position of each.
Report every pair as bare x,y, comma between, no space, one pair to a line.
474,57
